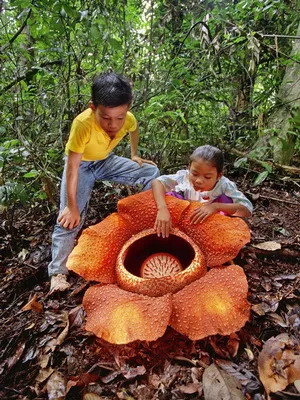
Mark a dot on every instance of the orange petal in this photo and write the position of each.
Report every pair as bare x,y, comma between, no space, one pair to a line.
140,209
121,317
98,247
219,237
216,303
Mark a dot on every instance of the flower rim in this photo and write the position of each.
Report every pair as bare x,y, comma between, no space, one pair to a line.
155,287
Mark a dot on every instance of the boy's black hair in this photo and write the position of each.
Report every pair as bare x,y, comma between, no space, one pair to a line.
111,90
211,154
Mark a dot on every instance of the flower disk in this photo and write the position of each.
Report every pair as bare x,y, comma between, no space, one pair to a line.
120,317
160,264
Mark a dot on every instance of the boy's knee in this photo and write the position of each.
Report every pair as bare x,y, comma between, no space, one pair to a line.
156,172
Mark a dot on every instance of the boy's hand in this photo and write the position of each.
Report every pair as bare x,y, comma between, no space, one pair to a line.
140,161
202,213
163,223
69,218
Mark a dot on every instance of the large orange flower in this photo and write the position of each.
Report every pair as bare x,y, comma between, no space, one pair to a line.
137,298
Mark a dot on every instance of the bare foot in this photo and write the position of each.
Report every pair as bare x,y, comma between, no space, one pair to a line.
58,283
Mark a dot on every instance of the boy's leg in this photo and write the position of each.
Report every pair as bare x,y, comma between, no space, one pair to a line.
124,171
63,239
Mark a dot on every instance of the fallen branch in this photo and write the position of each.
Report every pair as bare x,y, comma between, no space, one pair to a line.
276,199
286,168
284,252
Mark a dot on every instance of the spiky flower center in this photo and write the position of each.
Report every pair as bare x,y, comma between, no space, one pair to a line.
160,264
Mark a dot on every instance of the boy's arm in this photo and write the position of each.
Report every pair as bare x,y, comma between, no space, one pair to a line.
70,216
163,222
134,140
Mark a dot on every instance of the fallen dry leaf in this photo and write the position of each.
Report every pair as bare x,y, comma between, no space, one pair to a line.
225,346
246,378
249,354
279,362
130,373
63,334
76,317
92,396
56,386
191,388
154,380
269,246
44,374
297,384
33,305
233,344
217,384
16,356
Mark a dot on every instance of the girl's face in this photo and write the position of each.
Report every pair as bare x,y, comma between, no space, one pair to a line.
203,175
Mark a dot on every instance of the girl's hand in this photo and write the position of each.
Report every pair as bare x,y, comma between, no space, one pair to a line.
69,218
163,223
201,213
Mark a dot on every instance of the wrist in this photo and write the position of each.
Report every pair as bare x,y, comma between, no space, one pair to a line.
72,206
162,207
217,206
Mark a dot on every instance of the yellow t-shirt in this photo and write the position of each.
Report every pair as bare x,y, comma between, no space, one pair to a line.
88,138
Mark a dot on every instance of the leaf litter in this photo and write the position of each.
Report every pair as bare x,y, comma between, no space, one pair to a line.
46,353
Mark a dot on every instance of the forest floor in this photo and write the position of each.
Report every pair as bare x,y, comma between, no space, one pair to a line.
45,351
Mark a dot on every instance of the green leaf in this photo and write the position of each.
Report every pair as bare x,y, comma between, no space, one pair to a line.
260,178
116,44
31,174
241,161
8,144
267,166
95,32
107,183
274,141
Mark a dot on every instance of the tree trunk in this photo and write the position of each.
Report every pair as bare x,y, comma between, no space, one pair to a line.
284,122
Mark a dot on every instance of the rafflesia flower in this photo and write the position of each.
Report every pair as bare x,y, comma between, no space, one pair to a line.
149,282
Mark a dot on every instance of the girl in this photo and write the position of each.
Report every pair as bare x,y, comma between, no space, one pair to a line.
203,181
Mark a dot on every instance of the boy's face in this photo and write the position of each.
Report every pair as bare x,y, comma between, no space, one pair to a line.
203,176
110,119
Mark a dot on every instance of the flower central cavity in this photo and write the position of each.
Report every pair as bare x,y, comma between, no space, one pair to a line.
146,255
154,266
160,264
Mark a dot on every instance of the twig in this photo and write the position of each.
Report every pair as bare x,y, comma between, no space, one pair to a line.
18,33
29,74
285,252
276,199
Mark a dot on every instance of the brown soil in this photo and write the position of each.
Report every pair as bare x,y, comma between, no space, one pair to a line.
32,362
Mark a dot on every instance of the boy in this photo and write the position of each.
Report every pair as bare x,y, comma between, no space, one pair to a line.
94,134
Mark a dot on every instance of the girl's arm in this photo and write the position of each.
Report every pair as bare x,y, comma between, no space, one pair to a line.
163,222
70,216
234,209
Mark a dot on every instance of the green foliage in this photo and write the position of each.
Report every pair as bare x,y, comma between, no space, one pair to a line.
202,73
